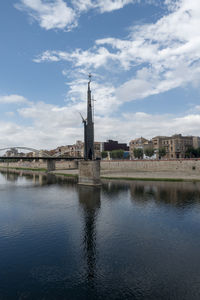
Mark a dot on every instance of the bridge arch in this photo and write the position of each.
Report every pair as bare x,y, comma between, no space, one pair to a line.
25,148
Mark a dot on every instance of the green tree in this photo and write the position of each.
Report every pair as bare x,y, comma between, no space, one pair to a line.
138,153
161,152
191,152
104,154
149,152
117,154
198,152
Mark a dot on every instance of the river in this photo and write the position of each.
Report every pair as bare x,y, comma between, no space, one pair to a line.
125,240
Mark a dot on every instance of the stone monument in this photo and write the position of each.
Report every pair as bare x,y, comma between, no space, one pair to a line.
89,168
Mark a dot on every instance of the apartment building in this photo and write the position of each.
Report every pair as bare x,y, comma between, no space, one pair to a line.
175,146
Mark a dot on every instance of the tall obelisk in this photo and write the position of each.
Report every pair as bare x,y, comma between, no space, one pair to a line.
89,169
89,128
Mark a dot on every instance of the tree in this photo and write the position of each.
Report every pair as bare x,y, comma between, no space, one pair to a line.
191,152
149,152
104,154
161,152
138,153
198,152
117,154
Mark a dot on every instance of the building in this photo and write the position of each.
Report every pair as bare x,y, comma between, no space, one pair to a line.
111,145
139,143
175,146
196,142
13,152
77,150
98,148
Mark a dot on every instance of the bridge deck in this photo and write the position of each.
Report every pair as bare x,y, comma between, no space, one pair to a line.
37,158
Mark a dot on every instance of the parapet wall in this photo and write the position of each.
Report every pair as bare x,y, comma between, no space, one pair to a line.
120,166
60,165
181,165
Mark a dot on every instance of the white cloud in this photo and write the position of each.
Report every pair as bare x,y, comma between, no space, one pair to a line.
53,14
13,99
165,54
154,57
110,5
105,101
60,14
48,126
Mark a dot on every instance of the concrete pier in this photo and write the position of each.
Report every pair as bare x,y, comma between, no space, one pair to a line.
51,165
89,172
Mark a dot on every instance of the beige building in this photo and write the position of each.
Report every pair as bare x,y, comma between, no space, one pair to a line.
141,143
98,148
175,146
196,142
77,150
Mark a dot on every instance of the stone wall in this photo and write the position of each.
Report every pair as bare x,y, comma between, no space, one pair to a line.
184,165
60,165
123,166
89,172
25,164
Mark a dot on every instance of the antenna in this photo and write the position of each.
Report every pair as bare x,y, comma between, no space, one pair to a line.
90,77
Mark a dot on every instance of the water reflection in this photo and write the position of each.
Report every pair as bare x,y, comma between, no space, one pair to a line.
90,202
41,179
64,241
114,188
12,177
174,193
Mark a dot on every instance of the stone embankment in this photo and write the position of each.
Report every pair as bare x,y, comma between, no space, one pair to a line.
41,165
183,169
177,169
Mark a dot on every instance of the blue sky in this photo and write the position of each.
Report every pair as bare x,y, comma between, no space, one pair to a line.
143,54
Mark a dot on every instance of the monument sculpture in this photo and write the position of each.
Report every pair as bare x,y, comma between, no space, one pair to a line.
89,169
89,128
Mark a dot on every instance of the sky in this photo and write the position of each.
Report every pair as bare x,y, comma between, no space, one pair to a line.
144,57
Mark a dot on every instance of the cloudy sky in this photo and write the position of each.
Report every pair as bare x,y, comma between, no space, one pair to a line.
144,56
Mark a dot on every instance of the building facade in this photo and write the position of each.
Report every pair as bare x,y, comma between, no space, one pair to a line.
139,143
175,146
111,145
196,142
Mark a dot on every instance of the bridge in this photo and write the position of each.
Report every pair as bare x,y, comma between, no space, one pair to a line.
51,160
89,169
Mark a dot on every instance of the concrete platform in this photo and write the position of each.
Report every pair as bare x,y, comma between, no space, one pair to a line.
89,172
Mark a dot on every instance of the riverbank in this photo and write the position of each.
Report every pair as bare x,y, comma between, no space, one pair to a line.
137,175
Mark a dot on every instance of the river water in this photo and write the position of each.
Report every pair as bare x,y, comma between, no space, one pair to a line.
125,240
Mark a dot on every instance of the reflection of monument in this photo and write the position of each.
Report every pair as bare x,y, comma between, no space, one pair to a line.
89,169
89,199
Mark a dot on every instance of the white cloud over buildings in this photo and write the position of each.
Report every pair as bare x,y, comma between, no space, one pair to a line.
52,125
